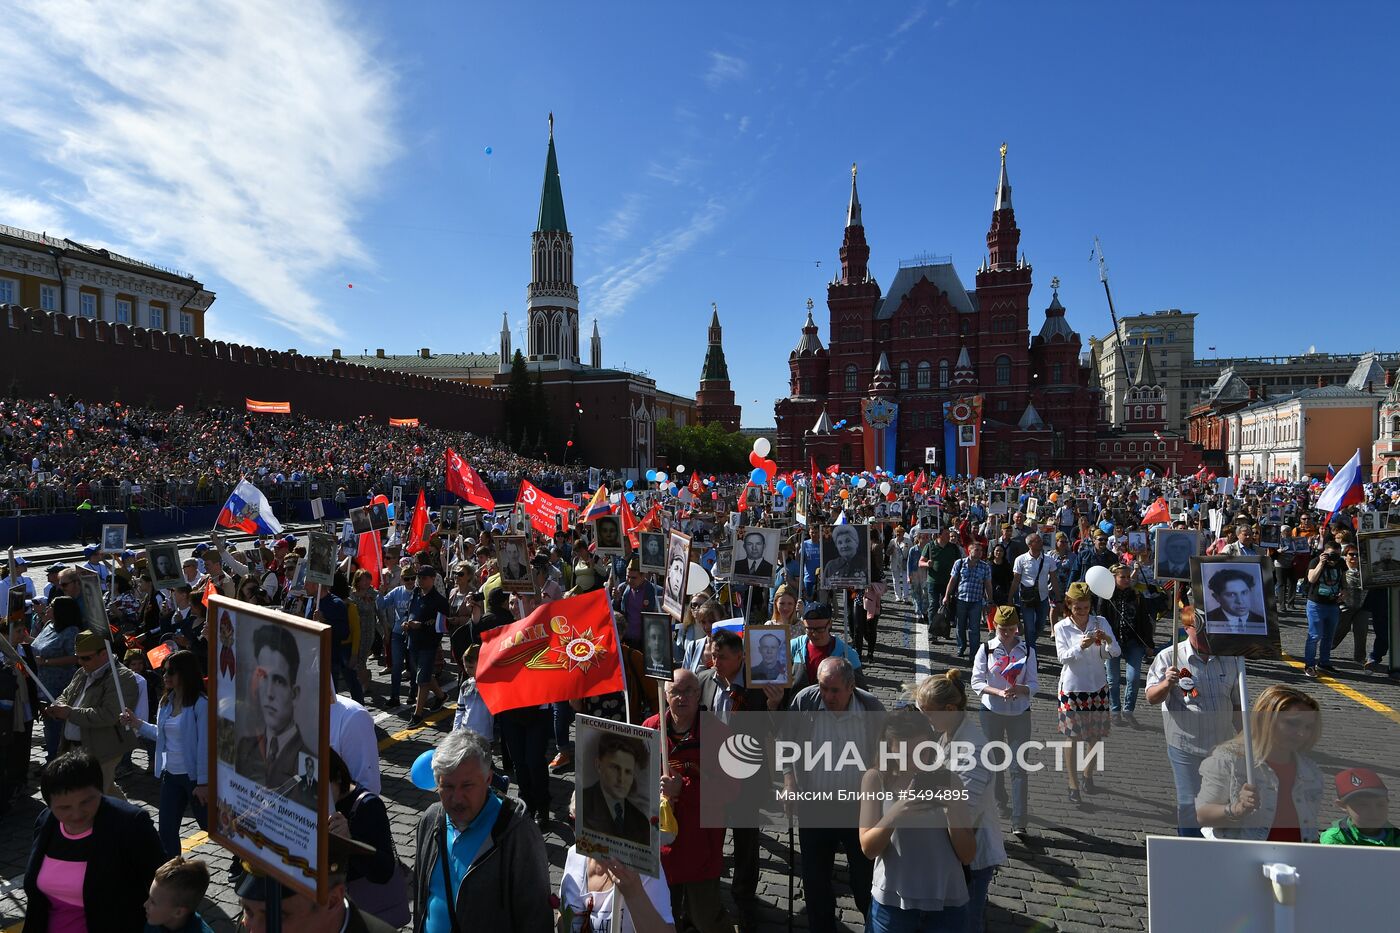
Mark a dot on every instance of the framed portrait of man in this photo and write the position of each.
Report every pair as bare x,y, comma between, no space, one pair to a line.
755,552
1269,536
1365,522
677,570
513,563
846,557
320,558
92,603
967,435
360,521
608,537
1175,548
996,502
651,551
448,517
163,564
270,695
618,779
1379,557
568,487
658,651
378,516
1137,541
113,538
724,560
1032,508
1235,606
766,650
801,504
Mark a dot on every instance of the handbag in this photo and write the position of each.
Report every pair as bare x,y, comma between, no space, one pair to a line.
1030,595
386,900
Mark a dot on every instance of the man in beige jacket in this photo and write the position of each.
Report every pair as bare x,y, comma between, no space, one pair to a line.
90,708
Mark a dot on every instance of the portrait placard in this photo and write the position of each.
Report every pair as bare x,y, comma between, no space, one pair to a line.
378,516
163,564
1175,548
1235,606
846,557
930,455
271,698
448,518
320,558
608,537
801,504
113,539
92,602
1137,541
318,509
651,551
996,502
724,560
618,778
1032,508
766,652
1380,558
677,570
658,653
1269,536
513,563
755,552
360,521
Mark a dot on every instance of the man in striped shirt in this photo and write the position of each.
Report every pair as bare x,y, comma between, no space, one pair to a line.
971,582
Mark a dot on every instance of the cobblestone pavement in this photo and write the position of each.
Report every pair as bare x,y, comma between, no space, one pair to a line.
1079,870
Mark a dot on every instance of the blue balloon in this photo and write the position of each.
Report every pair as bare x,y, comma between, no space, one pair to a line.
631,497
389,510
758,477
488,150
629,484
651,476
421,773
1106,527
788,492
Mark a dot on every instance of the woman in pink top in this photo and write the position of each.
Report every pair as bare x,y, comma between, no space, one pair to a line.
93,857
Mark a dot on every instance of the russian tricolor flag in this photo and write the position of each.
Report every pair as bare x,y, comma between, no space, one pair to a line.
248,510
598,505
1345,488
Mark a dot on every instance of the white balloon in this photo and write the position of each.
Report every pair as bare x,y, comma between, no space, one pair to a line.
661,478
885,488
762,447
680,467
863,482
697,580
1101,583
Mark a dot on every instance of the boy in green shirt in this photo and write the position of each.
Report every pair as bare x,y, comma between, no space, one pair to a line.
1364,798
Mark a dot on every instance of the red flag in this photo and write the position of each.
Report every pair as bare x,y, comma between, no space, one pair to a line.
542,508
1158,513
370,556
652,520
564,650
833,469
417,532
629,522
157,655
920,482
464,481
812,476
209,590
743,504
697,485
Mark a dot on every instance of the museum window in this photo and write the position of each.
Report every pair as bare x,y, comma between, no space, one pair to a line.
87,305
944,327
123,311
9,292
1117,447
943,374
157,318
1003,365
186,323
904,328
1057,373
904,375
1032,459
48,297
850,378
1132,447
1057,445
923,374
925,328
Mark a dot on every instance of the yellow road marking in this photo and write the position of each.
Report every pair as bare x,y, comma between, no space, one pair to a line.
199,838
1356,696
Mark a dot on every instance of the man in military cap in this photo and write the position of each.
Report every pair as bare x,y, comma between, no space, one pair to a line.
304,914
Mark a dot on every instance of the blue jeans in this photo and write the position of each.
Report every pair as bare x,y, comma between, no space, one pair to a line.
342,672
1133,653
177,792
977,894
1034,617
896,920
1322,626
819,847
1186,772
1015,730
563,719
970,617
401,661
53,735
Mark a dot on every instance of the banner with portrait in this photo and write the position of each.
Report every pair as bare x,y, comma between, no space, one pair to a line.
618,797
1233,596
270,690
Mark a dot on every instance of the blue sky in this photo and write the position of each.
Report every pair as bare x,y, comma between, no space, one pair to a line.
1236,159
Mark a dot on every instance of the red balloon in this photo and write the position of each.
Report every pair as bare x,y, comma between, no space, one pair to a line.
714,495
754,459
890,497
380,499
769,467
712,477
569,444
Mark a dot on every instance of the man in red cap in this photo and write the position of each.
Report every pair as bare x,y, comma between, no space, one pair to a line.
1363,796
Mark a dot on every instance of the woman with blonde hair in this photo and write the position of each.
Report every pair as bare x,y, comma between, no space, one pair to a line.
916,828
943,699
1083,642
1282,803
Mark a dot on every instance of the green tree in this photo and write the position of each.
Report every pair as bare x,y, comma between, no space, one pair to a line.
539,415
705,448
518,402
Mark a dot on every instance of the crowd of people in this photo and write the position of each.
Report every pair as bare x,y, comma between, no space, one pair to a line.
1018,601
61,454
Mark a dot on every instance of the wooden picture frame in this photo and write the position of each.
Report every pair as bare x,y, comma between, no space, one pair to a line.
761,666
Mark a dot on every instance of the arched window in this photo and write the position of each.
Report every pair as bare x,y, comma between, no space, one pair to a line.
904,375
851,378
944,327
923,374
1137,411
904,328
1003,364
1132,447
943,374
1162,446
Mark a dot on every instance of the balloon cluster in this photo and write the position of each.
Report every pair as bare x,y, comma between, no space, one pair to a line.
763,469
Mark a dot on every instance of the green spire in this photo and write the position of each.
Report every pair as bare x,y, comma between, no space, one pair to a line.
715,369
551,195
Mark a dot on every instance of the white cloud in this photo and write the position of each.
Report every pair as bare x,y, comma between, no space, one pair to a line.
615,287
233,139
20,210
618,227
725,68
911,20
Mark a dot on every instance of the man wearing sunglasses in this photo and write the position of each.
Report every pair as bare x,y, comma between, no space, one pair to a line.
1354,616
815,645
90,708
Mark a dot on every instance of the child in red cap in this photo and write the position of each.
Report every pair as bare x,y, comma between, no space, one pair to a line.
1364,798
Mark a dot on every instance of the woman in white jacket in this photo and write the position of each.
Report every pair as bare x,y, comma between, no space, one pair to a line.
1083,641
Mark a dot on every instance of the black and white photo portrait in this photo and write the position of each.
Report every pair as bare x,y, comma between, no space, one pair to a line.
607,535
378,516
996,502
658,652
1174,552
1235,606
448,518
677,570
1380,558
320,558
846,557
163,564
618,779
755,554
513,563
651,551
360,521
113,539
767,649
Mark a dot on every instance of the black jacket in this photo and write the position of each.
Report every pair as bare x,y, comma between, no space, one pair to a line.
125,857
